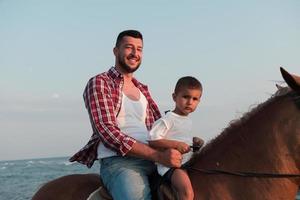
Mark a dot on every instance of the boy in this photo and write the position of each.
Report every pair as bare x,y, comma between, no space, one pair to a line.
173,131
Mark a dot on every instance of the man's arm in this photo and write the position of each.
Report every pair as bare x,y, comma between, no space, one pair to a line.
101,108
169,157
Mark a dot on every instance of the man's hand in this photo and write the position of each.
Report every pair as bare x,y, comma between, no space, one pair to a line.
170,158
182,147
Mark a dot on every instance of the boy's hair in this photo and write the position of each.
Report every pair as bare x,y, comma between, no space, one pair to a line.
187,82
131,33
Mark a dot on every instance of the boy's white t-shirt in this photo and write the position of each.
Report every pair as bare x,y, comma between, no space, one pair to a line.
172,127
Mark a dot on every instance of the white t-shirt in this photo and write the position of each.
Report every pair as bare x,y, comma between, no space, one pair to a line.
172,127
131,121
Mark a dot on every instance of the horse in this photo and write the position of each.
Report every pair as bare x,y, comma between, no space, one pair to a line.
255,157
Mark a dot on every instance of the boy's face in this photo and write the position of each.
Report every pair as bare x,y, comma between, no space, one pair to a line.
186,100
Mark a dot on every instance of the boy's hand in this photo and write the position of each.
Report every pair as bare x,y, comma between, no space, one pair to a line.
197,143
183,147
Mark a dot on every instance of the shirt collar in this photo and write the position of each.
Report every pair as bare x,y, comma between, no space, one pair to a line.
114,73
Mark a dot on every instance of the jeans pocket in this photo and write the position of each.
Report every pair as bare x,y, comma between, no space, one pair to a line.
107,168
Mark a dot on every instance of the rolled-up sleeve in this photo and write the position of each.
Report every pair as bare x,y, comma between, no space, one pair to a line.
100,105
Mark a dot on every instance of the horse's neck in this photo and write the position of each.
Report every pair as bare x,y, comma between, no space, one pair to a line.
265,142
257,144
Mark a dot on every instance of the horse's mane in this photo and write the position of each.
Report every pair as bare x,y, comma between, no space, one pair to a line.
230,131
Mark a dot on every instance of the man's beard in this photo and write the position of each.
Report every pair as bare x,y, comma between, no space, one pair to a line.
127,68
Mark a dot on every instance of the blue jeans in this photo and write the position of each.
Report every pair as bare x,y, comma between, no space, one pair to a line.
126,178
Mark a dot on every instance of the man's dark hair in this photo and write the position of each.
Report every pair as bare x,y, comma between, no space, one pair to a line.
187,82
131,33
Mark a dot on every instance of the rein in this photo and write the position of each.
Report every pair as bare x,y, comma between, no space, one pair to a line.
244,174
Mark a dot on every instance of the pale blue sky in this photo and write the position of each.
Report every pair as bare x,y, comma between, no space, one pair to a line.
49,49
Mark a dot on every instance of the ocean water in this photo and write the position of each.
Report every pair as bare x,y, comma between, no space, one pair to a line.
20,179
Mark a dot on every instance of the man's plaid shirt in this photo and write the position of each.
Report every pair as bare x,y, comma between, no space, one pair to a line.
102,97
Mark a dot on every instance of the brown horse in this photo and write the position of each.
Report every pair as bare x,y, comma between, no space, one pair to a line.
256,157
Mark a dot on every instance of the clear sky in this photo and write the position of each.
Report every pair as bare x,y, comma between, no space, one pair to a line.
49,50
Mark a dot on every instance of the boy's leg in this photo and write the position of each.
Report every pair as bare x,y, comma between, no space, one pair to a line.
181,181
127,178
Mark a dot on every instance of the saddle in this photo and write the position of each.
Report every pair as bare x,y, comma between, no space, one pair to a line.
101,193
163,192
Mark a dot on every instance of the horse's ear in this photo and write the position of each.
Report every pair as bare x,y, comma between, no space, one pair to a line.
292,80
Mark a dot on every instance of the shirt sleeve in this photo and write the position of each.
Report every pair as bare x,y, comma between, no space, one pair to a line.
159,130
100,106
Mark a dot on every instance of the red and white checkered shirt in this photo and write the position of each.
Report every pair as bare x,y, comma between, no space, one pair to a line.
103,96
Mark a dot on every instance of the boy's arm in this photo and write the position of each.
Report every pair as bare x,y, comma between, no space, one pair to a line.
157,138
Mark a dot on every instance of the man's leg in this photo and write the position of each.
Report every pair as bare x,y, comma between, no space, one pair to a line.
126,178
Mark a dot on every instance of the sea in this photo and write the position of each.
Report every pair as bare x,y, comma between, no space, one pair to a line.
20,179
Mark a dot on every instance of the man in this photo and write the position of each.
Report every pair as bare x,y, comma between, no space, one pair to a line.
122,112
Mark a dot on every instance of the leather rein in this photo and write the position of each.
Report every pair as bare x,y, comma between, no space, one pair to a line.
245,174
